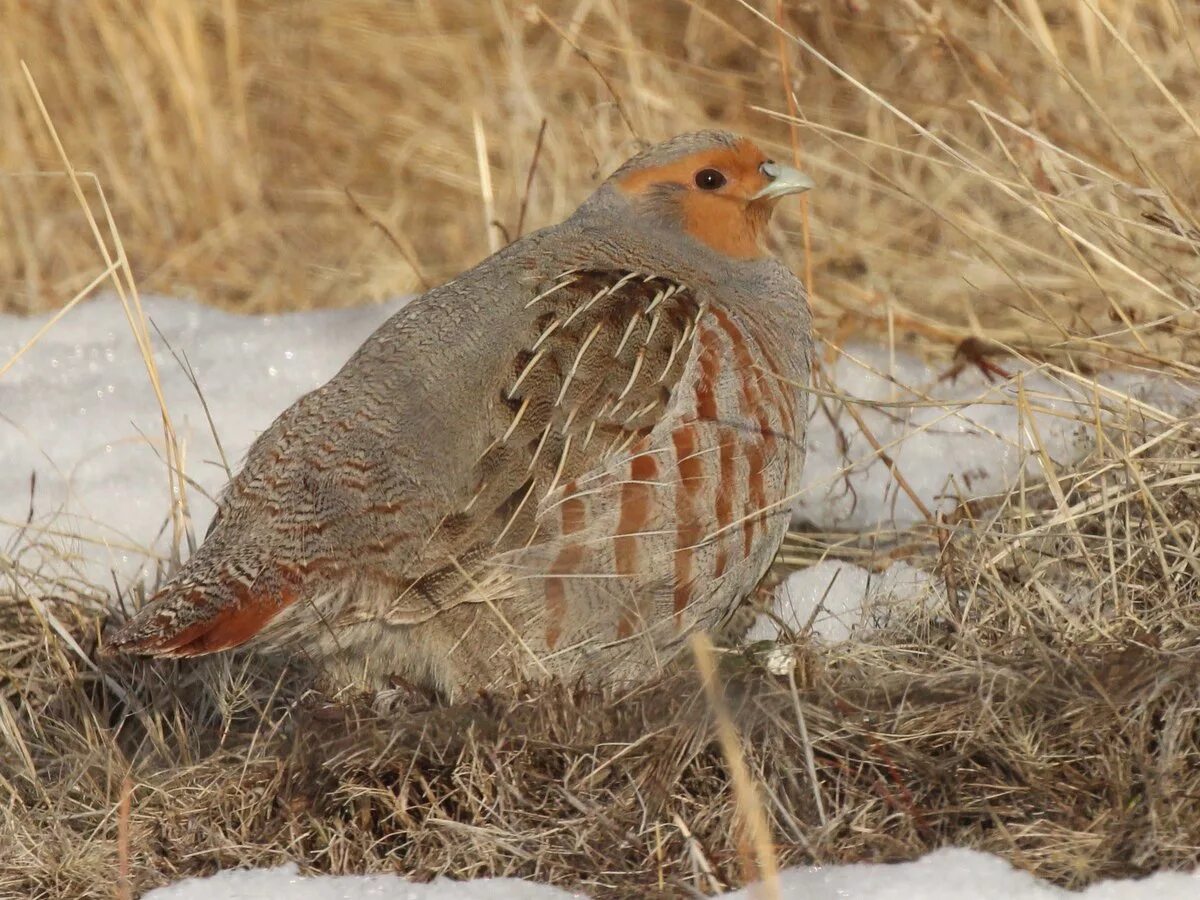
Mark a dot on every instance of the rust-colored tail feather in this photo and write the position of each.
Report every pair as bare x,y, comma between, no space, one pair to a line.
193,620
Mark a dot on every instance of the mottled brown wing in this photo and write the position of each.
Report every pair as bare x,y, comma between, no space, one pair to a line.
608,351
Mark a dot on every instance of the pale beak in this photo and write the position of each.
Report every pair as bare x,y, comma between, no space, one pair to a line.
783,180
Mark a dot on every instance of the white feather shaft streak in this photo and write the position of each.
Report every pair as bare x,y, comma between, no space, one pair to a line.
516,419
512,391
566,281
633,320
583,348
637,367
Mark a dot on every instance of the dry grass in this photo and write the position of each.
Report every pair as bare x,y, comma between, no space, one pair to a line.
1049,714
1023,176
992,180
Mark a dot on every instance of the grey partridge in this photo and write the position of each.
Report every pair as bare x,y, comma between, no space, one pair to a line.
560,463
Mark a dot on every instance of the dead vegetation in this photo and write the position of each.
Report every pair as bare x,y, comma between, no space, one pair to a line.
1048,714
995,177
1018,174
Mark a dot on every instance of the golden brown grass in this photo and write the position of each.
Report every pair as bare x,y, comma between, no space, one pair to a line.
986,170
993,175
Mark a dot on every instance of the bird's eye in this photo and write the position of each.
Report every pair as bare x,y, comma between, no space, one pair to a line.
709,179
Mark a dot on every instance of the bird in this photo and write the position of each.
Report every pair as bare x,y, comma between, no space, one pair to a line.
559,464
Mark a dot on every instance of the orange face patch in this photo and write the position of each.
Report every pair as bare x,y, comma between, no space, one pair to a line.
726,218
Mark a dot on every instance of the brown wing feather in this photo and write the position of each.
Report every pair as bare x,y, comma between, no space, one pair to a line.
605,351
609,349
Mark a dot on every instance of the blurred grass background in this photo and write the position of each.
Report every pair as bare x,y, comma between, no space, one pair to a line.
1022,174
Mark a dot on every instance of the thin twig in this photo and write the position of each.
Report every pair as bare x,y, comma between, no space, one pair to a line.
785,72
189,373
131,302
537,153
486,192
810,761
387,232
612,91
886,457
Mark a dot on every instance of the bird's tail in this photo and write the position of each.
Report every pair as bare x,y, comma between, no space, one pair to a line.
206,609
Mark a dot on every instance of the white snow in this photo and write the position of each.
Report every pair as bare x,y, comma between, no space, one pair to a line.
950,874
839,599
78,411
948,438
285,881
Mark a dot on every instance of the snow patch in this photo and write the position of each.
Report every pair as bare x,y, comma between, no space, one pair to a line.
839,599
78,412
285,881
948,874
950,439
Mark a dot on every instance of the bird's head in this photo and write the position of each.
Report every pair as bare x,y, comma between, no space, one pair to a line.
718,188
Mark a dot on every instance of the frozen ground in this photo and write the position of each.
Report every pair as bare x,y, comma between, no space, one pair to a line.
943,875
80,439
77,412
837,599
